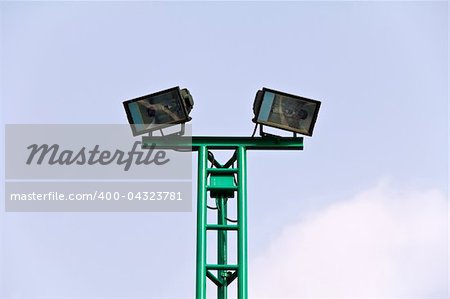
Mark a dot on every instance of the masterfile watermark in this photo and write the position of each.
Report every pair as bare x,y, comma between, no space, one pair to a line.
52,155
98,196
93,168
88,152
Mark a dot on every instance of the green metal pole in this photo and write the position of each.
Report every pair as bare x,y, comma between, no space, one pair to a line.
222,246
201,223
202,144
242,223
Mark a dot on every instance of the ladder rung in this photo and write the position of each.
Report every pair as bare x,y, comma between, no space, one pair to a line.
221,267
219,188
221,227
222,170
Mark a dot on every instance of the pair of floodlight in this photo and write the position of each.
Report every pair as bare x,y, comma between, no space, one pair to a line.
271,108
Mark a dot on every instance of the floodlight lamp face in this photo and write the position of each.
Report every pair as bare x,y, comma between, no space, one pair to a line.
158,110
285,111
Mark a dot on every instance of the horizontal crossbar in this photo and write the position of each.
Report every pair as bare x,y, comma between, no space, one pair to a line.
221,227
220,188
214,142
221,267
222,170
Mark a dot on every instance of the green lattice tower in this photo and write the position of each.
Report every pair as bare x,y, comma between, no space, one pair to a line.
223,182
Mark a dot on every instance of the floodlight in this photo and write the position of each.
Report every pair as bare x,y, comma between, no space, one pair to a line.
285,111
159,110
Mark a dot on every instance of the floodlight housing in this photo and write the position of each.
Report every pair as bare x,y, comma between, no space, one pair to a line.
285,111
159,110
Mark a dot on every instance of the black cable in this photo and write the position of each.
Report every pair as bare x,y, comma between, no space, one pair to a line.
217,208
234,176
213,208
231,161
231,220
211,158
254,130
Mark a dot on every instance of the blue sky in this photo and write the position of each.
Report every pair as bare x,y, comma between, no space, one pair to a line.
379,68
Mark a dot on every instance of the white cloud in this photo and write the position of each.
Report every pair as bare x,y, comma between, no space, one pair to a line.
383,243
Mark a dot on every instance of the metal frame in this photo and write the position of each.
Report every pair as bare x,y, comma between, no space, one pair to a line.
158,126
222,182
282,127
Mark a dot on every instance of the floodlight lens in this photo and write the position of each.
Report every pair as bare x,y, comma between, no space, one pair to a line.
285,111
